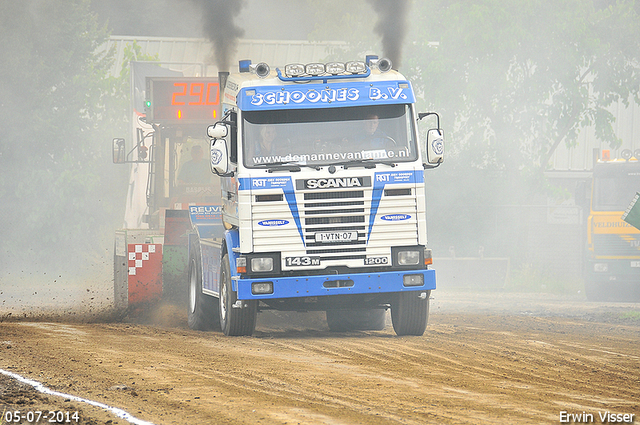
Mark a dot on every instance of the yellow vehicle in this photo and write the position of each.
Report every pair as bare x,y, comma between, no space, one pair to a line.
612,266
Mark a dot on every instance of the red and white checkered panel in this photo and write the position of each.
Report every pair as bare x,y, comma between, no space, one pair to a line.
145,272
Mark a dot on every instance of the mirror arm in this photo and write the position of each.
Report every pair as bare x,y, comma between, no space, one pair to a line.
141,138
421,115
229,123
431,166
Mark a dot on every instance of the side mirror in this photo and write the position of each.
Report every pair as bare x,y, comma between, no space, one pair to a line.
218,131
219,157
435,146
118,151
582,195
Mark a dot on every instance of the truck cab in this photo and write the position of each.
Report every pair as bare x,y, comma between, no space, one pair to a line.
612,267
323,199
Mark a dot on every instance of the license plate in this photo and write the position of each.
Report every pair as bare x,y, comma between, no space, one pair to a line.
336,236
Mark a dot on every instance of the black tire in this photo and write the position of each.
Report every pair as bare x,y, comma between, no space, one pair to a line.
356,320
234,320
202,309
596,292
612,291
410,313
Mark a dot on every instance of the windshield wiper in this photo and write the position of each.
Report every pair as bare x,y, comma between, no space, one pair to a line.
272,164
285,165
366,163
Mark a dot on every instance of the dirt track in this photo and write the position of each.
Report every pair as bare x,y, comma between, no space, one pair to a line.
487,364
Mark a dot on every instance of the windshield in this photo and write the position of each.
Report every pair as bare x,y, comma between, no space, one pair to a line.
317,137
615,187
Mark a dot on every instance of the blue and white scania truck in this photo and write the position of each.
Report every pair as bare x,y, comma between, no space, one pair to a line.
323,200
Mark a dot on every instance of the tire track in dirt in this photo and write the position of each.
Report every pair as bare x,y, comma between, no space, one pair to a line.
379,353
238,379
516,360
465,369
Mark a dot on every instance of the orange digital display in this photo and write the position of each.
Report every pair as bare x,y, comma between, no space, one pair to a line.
182,99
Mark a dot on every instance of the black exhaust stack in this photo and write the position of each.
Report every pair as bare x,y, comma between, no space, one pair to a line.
222,79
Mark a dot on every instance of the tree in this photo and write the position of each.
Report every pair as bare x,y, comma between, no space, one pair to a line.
513,79
516,78
341,21
58,108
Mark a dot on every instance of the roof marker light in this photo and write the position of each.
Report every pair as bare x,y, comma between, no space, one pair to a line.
370,60
244,65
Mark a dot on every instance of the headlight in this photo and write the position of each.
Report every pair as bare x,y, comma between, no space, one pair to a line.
258,288
601,267
262,264
355,67
413,280
408,258
334,68
294,69
314,68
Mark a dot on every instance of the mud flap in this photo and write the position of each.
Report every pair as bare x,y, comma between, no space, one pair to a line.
145,273
175,258
120,272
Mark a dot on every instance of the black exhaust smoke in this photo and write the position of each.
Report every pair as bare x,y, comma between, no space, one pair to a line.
218,18
391,26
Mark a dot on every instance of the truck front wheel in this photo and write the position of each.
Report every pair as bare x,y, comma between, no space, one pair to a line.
597,291
237,317
410,312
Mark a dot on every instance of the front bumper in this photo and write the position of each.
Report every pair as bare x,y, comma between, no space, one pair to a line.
342,284
617,270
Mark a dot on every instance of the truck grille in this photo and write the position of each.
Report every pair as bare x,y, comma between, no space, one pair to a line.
323,214
617,245
341,210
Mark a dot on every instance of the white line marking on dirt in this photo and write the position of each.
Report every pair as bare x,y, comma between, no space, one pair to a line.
39,387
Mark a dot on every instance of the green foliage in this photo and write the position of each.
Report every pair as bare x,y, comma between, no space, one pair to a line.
340,20
516,78
631,316
58,110
511,79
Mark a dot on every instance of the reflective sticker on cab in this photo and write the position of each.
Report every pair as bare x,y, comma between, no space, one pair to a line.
395,217
272,223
